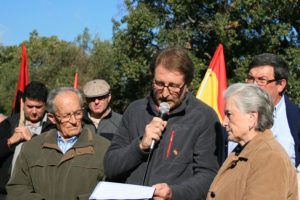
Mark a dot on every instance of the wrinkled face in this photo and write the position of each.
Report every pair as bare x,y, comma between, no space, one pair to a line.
68,114
236,123
98,105
266,73
34,110
169,86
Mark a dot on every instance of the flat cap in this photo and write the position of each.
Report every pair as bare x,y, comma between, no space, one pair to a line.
96,88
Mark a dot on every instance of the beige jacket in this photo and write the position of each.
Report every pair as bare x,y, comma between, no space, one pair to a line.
262,171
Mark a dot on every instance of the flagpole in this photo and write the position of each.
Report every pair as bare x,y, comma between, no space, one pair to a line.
207,74
21,112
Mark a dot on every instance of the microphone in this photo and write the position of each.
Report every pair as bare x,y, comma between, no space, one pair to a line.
164,108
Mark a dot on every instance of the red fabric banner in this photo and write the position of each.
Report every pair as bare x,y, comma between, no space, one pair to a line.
23,81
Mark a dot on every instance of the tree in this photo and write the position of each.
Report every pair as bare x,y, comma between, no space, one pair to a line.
54,62
244,27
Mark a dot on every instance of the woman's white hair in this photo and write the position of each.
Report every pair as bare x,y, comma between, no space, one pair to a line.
250,97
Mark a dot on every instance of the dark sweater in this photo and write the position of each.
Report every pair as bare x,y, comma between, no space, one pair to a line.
188,164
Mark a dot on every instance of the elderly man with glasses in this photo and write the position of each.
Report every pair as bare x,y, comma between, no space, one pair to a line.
63,163
98,115
184,159
271,73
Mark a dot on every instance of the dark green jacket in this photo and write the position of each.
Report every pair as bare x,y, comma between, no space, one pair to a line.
42,171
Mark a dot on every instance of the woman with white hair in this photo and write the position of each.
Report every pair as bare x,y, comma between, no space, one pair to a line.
259,168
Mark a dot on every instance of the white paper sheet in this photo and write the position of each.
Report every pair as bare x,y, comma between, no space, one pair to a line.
111,191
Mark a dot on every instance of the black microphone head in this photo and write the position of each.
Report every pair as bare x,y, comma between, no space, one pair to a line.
164,108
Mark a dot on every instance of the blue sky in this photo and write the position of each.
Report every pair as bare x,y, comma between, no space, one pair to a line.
64,18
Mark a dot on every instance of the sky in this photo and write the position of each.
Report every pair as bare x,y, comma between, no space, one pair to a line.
64,18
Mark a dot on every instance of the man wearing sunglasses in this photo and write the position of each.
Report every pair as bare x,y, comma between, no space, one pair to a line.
98,115
184,159
270,72
64,162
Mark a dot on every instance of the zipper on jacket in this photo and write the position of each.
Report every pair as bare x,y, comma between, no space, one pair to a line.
170,143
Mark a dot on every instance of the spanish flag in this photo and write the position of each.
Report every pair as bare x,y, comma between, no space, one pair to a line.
22,83
214,83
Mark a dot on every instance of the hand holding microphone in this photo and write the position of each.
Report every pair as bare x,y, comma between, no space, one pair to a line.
154,129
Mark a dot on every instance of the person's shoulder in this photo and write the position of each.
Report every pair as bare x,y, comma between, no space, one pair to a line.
13,119
98,138
100,141
198,105
292,111
116,115
9,123
290,104
268,146
41,138
34,145
136,105
138,102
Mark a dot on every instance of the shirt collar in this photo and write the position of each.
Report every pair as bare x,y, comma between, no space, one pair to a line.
278,107
61,139
40,123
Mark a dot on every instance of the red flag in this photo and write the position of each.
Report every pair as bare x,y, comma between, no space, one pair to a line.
23,81
214,83
76,81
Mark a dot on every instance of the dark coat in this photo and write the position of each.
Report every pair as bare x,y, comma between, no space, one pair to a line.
185,157
42,171
107,126
7,128
293,117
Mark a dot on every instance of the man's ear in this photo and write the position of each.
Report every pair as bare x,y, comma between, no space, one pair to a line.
281,85
51,117
109,97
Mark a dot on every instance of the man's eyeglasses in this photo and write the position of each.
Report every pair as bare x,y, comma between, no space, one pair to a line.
173,88
259,81
99,98
67,117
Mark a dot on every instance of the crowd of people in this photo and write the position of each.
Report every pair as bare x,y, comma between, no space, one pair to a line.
61,149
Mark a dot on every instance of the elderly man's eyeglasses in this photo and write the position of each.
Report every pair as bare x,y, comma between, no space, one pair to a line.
67,117
173,88
259,81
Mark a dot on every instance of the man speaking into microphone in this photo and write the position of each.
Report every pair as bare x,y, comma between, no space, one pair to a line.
184,158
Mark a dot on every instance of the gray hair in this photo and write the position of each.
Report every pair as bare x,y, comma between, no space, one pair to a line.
250,97
53,93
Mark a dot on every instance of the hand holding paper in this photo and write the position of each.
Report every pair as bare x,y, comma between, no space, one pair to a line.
162,191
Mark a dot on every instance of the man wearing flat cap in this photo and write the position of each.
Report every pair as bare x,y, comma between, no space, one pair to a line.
98,115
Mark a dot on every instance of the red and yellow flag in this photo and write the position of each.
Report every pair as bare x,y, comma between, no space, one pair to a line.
23,81
214,83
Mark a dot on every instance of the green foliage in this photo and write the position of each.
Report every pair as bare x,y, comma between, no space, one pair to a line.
54,63
244,27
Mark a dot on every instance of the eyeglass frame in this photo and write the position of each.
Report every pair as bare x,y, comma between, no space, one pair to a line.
69,115
99,98
161,84
251,79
